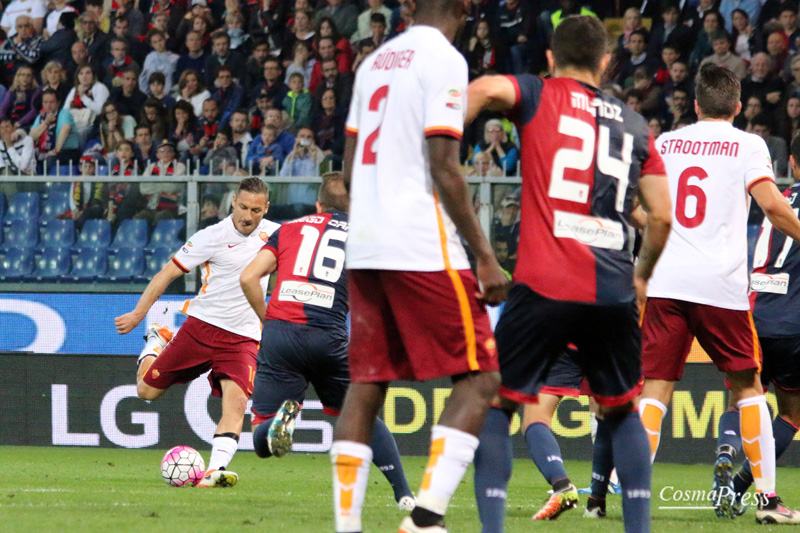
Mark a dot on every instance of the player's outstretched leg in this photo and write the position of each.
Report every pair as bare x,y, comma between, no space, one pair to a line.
728,443
631,449
226,438
652,413
602,465
386,457
493,460
156,338
281,429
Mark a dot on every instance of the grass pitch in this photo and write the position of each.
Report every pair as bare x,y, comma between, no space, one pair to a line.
116,490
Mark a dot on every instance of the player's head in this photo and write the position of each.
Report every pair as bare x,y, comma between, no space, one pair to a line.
432,11
250,204
333,194
717,93
579,44
794,156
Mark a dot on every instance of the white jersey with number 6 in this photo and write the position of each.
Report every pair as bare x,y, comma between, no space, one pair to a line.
711,167
411,88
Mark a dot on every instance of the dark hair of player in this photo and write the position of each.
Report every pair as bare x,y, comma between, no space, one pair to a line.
794,149
717,91
332,193
579,42
254,185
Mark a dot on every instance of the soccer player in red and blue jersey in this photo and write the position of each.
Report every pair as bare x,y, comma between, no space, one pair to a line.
584,158
304,337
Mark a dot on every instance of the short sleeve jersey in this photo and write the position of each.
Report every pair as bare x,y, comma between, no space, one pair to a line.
711,167
222,253
775,281
583,154
412,87
312,284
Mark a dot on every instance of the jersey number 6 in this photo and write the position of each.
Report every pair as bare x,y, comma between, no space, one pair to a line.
335,255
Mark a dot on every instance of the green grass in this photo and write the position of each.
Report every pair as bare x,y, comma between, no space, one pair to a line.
116,490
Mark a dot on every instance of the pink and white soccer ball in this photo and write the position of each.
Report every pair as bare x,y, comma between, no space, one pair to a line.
181,466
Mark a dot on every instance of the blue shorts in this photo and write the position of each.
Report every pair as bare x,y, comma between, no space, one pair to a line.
781,364
293,355
565,376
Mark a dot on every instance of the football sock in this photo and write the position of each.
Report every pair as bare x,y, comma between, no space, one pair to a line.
386,457
260,444
652,412
758,442
630,446
452,451
729,433
602,461
493,470
222,449
546,454
784,433
593,425
350,474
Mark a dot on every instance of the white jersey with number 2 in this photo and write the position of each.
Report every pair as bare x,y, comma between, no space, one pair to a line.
711,167
412,87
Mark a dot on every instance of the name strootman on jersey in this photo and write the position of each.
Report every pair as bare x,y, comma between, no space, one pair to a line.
702,148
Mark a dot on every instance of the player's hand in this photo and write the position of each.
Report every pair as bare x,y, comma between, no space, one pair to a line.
492,280
640,284
125,323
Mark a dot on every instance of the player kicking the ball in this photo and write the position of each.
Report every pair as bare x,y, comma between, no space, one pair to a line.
221,333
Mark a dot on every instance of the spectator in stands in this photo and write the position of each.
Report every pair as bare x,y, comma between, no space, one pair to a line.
193,59
285,138
223,55
680,107
96,40
115,128
184,132
495,143
723,57
747,41
632,98
33,9
22,48
377,28
208,125
240,134
58,8
751,7
54,133
155,117
712,22
762,125
240,41
656,126
327,52
483,166
173,10
124,162
162,197
159,60
259,112
302,30
127,96
222,153
789,119
515,26
136,22
16,154
481,51
304,160
78,56
209,212
254,67
340,84
762,82
501,251
20,101
670,31
631,21
298,101
344,52
100,12
365,20
637,57
58,46
54,77
364,48
343,14
228,94
156,86
190,89
776,48
85,100
118,61
121,30
273,88
265,155
144,147
506,223
693,14
649,93
752,108
267,21
302,63
789,30
328,124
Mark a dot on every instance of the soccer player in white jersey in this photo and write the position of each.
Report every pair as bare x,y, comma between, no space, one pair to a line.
415,305
221,333
699,286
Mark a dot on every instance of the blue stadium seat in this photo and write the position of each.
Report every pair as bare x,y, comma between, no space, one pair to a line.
20,234
132,233
52,264
96,234
2,205
56,234
154,262
23,206
57,187
124,265
56,204
63,170
102,170
90,263
166,235
17,263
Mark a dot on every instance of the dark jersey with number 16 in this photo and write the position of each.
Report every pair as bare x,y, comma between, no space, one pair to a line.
311,283
583,154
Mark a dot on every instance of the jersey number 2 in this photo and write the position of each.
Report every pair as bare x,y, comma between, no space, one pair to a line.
370,156
302,265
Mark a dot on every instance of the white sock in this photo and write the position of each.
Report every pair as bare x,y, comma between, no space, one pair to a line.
151,347
452,452
350,462
758,442
222,450
593,425
652,413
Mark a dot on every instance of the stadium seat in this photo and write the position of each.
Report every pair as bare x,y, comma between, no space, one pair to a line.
166,235
96,234
52,264
55,187
17,263
63,170
132,233
90,263
2,205
154,262
56,234
23,206
102,170
124,265
20,234
56,204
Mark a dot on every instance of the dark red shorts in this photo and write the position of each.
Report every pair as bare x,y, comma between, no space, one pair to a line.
197,347
668,327
417,326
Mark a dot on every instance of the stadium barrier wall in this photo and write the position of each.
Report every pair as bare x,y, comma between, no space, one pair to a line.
90,400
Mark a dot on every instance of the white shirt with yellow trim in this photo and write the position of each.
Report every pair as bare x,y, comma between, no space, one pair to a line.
711,167
412,87
222,254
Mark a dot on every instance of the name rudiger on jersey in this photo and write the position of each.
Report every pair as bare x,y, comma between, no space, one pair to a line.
774,283
307,293
592,231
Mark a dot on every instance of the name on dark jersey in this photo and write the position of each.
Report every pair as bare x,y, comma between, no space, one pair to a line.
596,106
390,59
687,147
317,219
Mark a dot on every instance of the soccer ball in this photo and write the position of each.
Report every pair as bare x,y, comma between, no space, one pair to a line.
181,466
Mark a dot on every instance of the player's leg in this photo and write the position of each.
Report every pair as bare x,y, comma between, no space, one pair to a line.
226,436
656,395
602,466
493,460
729,443
386,456
156,339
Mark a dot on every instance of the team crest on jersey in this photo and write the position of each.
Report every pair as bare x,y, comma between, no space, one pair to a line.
769,162
490,345
156,373
189,244
454,99
263,235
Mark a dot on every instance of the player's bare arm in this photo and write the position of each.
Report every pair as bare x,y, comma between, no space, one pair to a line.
655,201
125,323
776,208
349,154
454,195
493,93
264,263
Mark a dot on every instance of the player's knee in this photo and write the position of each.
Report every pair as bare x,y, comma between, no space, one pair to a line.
486,385
146,392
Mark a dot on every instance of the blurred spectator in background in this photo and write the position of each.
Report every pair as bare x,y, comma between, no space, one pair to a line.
115,127
209,212
162,197
495,143
776,48
93,37
506,223
681,107
481,51
752,107
58,47
254,67
304,160
327,52
127,96
191,89
264,154
712,22
240,134
483,166
54,134
302,63
789,119
228,94
788,27
328,124
208,125
34,10
723,57
159,60
340,84
762,82
193,59
762,125
365,20
364,48
240,41
751,7
637,56
298,101
156,118
670,31
184,132
118,61
223,55
343,14
144,147
502,252
285,138
16,154
54,77
344,52
222,153
631,21
747,41
272,87
20,49
377,28
19,102
124,162
57,8
85,100
79,55
302,30
156,90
